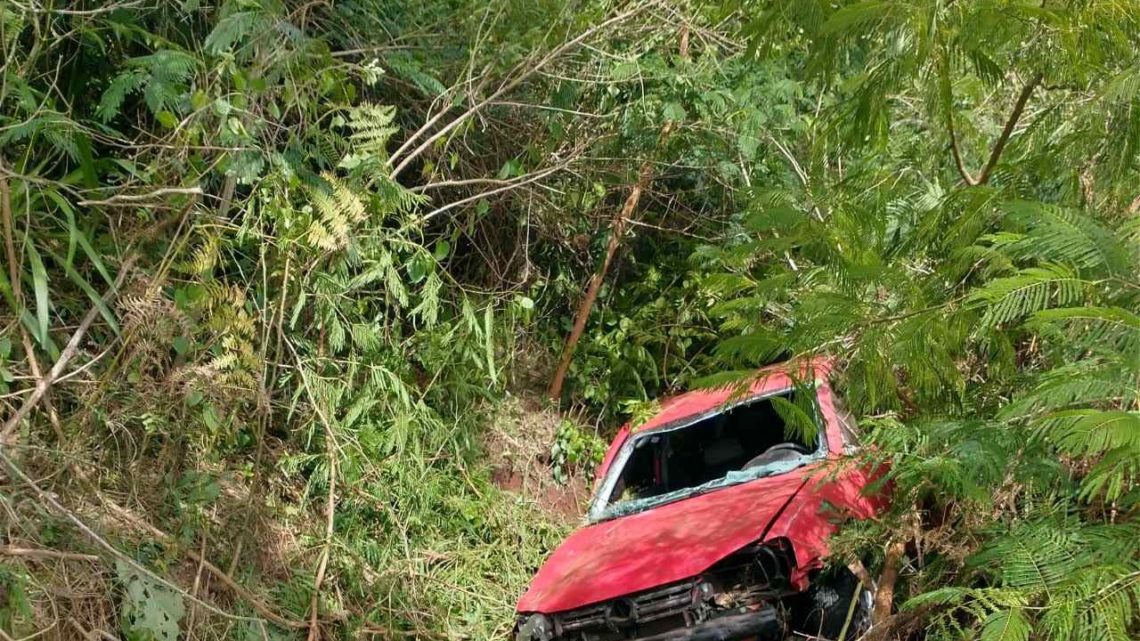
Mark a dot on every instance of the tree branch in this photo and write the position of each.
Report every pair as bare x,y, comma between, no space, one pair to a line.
511,184
65,356
41,553
506,87
956,152
419,189
1010,124
617,229
885,595
1002,141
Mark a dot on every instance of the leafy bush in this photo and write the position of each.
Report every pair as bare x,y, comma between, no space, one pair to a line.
575,449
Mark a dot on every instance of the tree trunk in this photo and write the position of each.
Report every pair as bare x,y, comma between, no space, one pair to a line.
885,595
617,228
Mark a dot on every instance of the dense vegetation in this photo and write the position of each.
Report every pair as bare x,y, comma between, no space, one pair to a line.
274,268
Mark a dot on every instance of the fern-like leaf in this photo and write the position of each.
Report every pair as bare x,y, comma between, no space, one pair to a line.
1030,290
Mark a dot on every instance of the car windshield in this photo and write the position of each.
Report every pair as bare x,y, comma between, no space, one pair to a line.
758,437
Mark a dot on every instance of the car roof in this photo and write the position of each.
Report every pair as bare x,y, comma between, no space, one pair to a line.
772,378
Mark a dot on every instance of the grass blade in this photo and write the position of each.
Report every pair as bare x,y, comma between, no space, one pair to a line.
40,285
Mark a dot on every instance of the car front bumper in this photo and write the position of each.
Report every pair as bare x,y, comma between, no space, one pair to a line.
762,625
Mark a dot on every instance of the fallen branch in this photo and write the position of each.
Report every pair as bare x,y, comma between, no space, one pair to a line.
49,501
69,351
133,199
860,571
885,595
617,230
91,635
41,553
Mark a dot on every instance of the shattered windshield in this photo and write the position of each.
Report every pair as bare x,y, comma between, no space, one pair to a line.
758,437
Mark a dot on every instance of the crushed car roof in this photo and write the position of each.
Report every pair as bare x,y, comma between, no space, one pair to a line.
697,402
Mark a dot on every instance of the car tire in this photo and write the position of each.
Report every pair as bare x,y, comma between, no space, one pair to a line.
822,610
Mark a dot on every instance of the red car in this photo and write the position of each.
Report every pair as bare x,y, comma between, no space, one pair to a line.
711,520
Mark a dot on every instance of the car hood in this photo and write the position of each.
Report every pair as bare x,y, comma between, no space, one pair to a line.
661,545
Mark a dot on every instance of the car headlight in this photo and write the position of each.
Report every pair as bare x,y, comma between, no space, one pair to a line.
534,627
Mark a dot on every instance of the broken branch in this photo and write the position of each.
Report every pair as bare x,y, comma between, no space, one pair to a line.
885,595
69,351
40,553
502,90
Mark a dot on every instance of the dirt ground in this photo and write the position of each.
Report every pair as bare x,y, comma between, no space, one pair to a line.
518,445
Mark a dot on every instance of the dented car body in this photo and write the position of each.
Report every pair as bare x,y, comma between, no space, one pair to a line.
711,521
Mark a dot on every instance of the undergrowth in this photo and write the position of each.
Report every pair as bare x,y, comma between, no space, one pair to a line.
273,270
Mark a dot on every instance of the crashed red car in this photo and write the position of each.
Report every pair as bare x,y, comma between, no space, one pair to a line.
711,521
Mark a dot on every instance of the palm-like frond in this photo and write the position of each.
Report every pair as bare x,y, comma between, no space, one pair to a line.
372,128
1096,380
1090,432
1114,328
1062,235
1030,290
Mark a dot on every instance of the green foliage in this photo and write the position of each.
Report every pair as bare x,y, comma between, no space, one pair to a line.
15,606
984,318
939,195
285,334
575,448
150,611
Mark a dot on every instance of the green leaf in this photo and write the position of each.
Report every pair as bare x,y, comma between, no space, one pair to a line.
1029,291
151,611
856,14
418,266
210,418
1088,432
442,249
40,284
673,111
94,296
166,119
230,30
489,340
797,422
1006,625
510,169
86,161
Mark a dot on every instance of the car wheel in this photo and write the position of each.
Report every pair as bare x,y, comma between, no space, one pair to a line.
822,610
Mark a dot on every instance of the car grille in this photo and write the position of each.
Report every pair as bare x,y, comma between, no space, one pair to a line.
645,612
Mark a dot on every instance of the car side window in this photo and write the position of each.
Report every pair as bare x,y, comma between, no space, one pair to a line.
848,428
